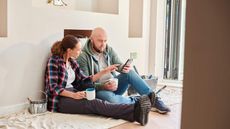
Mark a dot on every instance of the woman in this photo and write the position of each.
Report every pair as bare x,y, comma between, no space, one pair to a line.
65,86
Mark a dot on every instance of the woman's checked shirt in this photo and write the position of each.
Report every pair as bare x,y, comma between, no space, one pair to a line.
56,77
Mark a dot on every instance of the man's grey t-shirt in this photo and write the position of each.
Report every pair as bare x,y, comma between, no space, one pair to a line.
102,65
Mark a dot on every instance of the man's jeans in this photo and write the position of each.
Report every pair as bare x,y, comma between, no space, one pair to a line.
124,79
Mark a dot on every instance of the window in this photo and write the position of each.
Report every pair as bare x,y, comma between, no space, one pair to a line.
174,40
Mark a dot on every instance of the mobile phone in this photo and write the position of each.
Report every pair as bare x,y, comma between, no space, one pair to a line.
128,62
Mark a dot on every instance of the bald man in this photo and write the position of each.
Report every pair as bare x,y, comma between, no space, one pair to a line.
97,55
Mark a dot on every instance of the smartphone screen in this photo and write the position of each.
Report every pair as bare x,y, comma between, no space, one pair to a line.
128,62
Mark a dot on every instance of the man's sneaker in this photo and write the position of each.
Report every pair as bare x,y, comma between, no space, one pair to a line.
160,107
157,104
142,108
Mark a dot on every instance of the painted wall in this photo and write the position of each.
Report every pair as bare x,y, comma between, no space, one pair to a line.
3,17
31,32
135,18
207,72
152,37
108,6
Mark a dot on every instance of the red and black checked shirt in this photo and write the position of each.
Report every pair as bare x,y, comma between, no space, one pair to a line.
56,77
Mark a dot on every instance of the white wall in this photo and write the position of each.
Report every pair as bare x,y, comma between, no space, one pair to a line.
101,6
152,37
31,32
206,85
160,39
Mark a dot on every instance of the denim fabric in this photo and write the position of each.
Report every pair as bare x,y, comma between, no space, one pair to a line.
124,80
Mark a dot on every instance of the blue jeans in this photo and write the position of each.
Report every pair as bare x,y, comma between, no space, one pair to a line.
124,79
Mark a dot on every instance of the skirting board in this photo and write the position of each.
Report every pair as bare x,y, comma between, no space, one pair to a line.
13,108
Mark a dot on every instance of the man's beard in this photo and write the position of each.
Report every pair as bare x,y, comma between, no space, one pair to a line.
96,49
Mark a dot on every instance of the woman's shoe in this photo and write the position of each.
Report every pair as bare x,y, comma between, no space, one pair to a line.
142,108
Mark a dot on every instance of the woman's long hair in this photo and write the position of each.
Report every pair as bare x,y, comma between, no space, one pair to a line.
60,47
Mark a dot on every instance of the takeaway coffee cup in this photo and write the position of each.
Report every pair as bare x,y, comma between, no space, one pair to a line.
113,80
90,93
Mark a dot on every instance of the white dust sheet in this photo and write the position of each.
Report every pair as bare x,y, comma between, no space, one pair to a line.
48,120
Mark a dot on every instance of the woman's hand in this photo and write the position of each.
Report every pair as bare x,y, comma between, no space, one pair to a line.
79,95
74,95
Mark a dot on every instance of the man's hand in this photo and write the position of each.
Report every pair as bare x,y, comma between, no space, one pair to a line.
110,85
126,69
111,68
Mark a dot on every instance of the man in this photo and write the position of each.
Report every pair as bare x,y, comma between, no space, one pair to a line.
97,55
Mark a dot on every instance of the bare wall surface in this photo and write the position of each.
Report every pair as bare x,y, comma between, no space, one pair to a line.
207,72
152,40
3,18
31,32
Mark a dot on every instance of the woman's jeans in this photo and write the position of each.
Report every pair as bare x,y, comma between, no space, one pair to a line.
124,80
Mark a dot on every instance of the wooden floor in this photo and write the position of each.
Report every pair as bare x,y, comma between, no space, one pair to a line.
158,121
